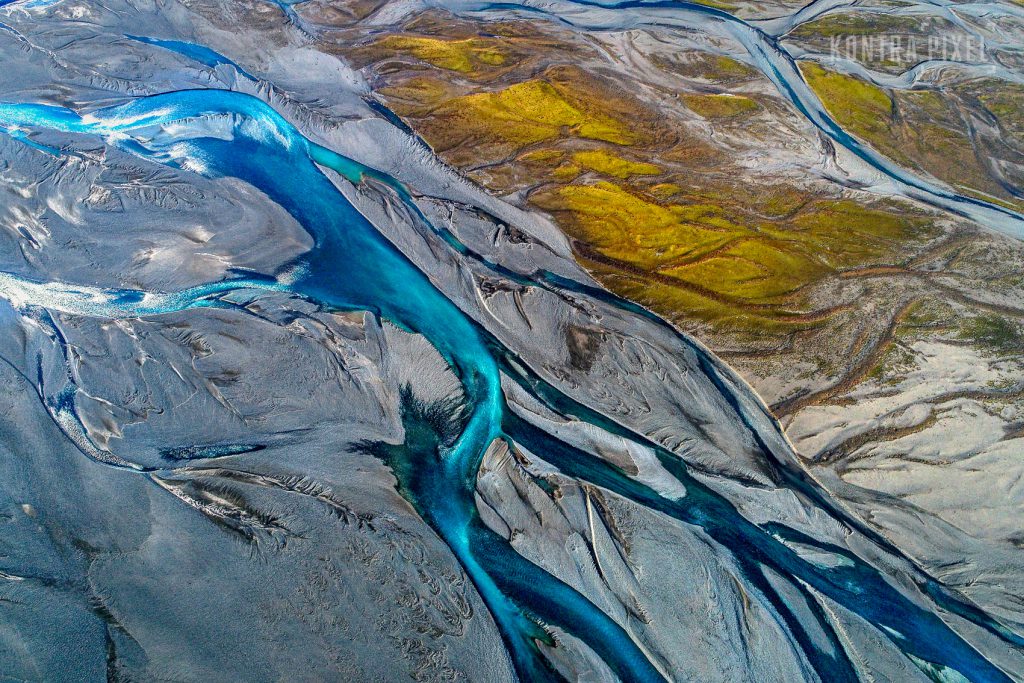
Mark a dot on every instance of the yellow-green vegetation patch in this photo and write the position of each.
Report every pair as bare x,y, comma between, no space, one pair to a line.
949,155
612,219
717,4
928,134
750,270
539,156
527,113
1006,102
893,366
933,133
610,164
724,68
465,55
928,102
707,66
627,227
413,93
664,190
712,262
865,25
861,108
844,234
927,317
566,172
522,122
994,332
781,200
720,106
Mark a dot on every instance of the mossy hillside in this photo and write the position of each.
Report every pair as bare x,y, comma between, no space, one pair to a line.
994,332
541,156
417,96
938,319
466,120
921,130
1005,101
863,109
566,172
863,24
610,164
559,105
707,66
462,50
465,56
533,111
697,259
720,106
718,4
905,37
1007,106
664,191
